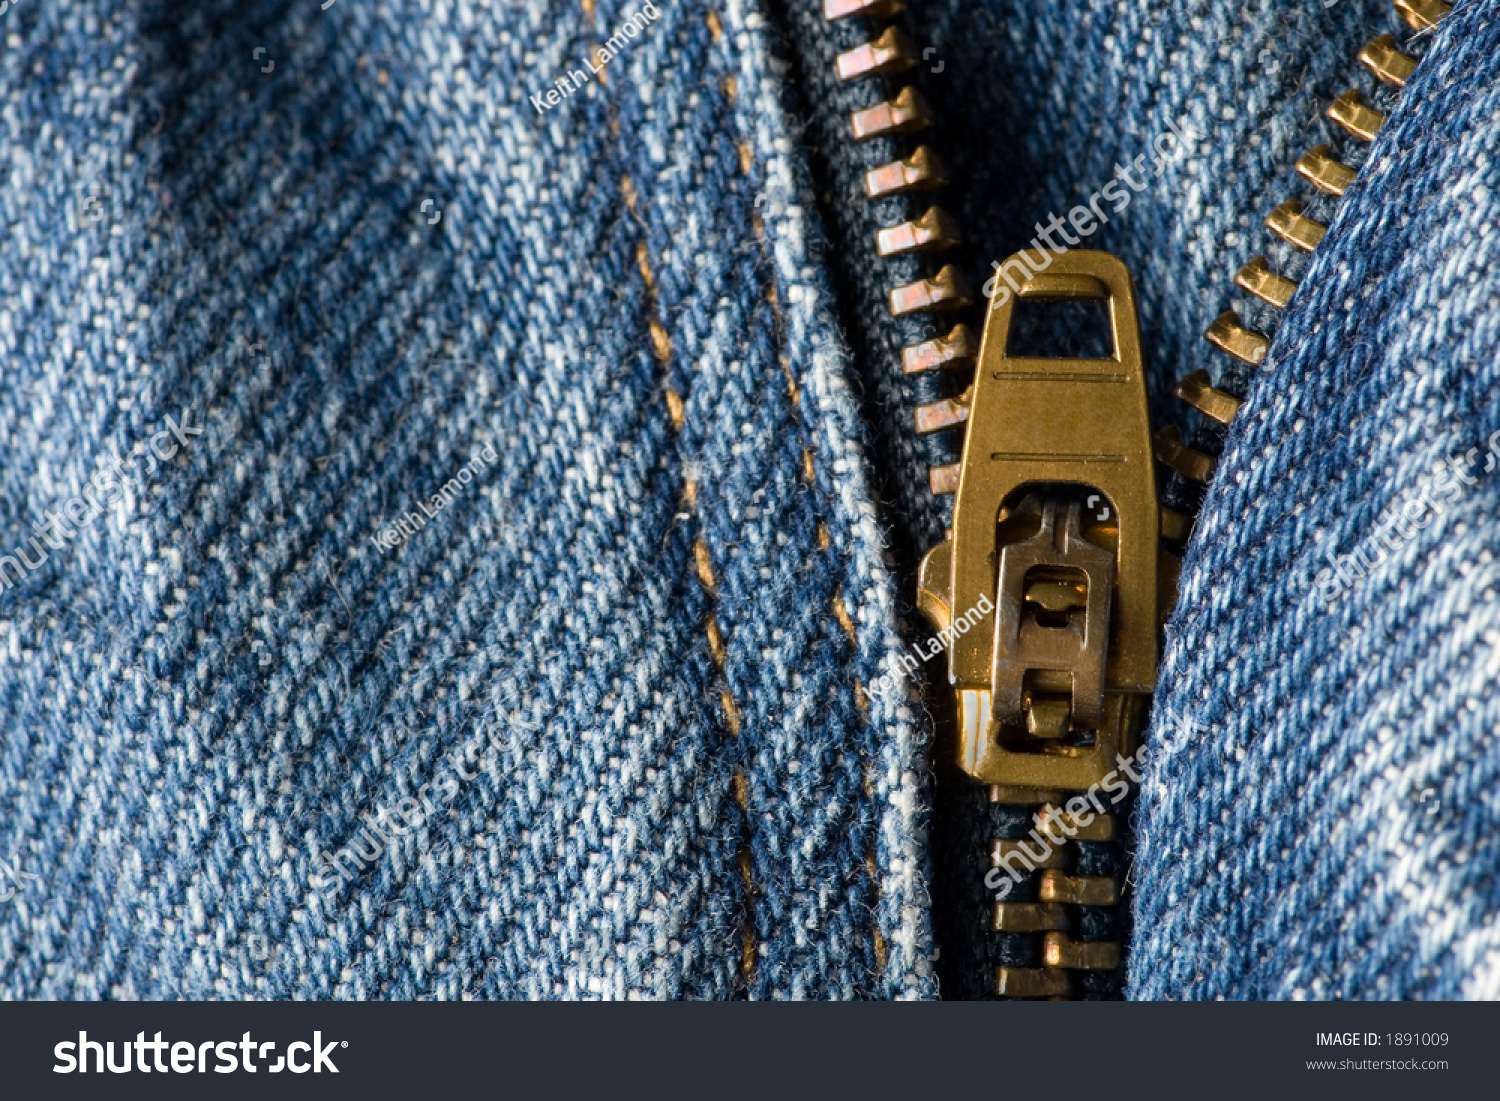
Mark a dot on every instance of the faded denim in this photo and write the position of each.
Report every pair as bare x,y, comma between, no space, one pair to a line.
641,639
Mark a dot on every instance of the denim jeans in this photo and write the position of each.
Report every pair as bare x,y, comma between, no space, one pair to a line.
497,613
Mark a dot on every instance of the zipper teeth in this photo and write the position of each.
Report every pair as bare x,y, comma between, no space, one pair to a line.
1357,121
1071,895
1063,899
891,53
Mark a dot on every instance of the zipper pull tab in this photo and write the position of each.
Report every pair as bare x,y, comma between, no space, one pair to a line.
1047,585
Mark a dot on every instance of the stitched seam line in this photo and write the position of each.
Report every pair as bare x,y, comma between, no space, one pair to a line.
661,343
809,472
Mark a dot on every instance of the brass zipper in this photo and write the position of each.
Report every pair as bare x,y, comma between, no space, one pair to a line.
1056,530
1358,122
1059,569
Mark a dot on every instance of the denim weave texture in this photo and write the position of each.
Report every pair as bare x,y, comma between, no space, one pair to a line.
1035,105
1320,817
651,618
346,245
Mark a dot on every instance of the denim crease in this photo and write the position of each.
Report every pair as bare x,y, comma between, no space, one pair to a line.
220,681
348,245
1331,832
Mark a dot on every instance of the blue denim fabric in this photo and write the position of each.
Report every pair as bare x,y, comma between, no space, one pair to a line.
1042,103
621,671
1052,99
1320,818
645,629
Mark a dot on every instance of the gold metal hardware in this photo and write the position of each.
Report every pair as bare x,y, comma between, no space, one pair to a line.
942,480
934,230
1199,392
892,52
1289,223
834,10
906,113
957,349
1175,526
1321,169
1357,119
1059,951
1258,278
1228,335
1422,15
1055,821
1056,526
922,171
1389,64
947,290
1014,796
1077,890
1030,917
1033,982
1191,463
947,413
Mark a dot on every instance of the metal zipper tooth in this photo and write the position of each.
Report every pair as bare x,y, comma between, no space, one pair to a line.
1229,335
1422,15
934,416
1057,891
945,291
834,10
1389,64
1319,167
1258,278
922,171
933,231
1175,526
1060,951
1357,118
1033,982
1192,464
958,349
1199,392
1078,890
892,52
1325,172
905,114
943,480
1289,223
1030,917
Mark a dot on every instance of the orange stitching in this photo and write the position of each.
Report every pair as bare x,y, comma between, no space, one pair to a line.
841,613
703,564
809,472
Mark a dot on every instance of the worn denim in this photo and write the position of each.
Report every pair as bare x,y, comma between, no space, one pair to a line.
655,612
1320,819
623,669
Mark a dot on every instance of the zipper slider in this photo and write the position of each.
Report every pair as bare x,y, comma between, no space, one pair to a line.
1047,584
